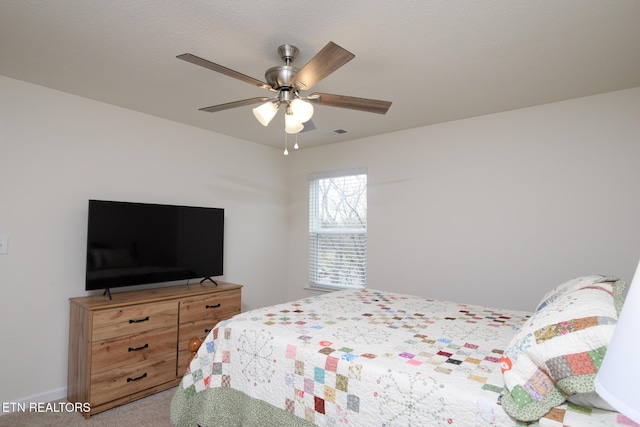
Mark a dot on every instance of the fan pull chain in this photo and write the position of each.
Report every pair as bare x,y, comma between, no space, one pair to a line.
295,147
286,152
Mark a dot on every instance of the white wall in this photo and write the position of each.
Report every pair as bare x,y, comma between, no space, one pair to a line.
56,152
493,210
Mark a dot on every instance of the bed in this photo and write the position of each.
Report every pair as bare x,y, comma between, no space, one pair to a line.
377,358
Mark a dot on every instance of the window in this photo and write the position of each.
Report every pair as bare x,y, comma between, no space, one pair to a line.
338,231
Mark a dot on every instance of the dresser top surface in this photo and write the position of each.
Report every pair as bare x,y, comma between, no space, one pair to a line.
119,299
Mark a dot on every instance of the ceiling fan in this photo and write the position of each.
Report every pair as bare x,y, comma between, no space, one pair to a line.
288,83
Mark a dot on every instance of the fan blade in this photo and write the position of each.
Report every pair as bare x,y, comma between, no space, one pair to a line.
351,102
329,59
224,70
234,104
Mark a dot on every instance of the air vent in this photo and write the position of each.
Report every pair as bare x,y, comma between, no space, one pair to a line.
335,132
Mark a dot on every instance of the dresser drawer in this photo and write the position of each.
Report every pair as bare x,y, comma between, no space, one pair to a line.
115,383
198,329
214,306
118,352
117,322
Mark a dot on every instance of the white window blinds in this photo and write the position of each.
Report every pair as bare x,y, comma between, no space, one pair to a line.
338,231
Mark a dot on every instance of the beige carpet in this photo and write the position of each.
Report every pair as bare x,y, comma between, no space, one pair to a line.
150,411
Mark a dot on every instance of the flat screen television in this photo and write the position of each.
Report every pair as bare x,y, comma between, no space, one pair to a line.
139,243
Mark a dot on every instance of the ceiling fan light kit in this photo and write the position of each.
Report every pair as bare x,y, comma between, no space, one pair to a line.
265,112
291,122
303,110
288,83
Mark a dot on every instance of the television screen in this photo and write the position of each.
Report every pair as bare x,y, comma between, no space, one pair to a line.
138,243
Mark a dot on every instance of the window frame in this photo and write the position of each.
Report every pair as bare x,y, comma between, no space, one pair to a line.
316,233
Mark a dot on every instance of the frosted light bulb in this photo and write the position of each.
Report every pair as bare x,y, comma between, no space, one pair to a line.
303,110
291,124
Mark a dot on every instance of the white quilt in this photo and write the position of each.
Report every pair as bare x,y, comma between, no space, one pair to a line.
372,358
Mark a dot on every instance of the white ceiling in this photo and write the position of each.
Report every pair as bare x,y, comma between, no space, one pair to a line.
435,60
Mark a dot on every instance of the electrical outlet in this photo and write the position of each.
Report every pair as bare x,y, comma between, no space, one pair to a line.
4,245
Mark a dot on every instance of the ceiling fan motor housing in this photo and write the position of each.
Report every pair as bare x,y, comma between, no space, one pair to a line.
280,76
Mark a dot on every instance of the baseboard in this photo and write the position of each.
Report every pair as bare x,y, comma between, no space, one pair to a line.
49,396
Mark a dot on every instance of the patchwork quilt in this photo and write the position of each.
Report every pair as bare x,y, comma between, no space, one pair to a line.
360,358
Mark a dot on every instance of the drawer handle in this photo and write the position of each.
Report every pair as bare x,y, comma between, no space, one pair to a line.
213,306
138,378
139,320
139,348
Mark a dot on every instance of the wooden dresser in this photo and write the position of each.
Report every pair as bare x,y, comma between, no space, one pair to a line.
137,343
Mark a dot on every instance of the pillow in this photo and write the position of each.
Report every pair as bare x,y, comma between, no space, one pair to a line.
562,289
619,287
556,355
